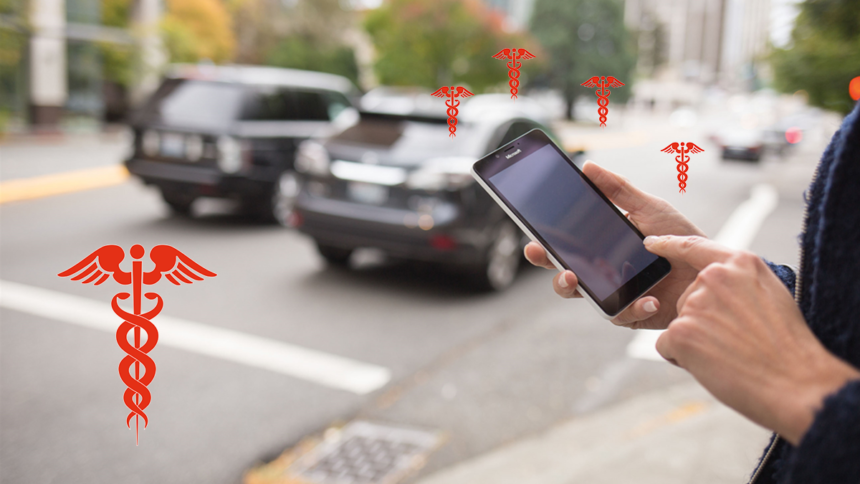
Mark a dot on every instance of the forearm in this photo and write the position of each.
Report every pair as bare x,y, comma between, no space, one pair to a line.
804,396
829,451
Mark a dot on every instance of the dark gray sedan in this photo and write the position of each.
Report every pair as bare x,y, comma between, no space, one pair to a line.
400,183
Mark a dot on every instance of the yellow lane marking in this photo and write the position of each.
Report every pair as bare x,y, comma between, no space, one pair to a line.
685,411
59,183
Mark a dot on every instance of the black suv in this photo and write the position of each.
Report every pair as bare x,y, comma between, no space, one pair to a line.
232,132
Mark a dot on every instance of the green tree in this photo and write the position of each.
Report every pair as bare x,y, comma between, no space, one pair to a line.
194,30
432,43
303,53
584,38
824,54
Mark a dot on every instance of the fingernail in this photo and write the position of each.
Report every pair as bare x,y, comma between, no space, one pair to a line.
562,281
651,239
650,307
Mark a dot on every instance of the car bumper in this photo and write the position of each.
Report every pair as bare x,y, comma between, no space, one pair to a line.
437,236
203,179
740,153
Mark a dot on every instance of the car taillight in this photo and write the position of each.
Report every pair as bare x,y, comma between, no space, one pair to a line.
443,242
230,154
193,147
151,143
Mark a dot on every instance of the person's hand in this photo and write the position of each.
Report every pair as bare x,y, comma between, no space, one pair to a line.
740,334
652,216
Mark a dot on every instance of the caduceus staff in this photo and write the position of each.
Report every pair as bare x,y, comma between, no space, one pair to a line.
683,150
514,66
603,93
98,267
451,93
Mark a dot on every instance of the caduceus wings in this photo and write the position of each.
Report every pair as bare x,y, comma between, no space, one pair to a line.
441,92
613,82
463,92
524,54
691,148
99,266
503,54
593,82
175,266
672,148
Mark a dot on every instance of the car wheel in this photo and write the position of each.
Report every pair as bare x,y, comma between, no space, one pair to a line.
335,256
502,260
279,208
179,203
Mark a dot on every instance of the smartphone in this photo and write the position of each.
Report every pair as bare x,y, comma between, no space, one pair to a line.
557,206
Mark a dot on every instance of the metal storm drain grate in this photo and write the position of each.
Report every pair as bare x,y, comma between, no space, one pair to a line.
365,453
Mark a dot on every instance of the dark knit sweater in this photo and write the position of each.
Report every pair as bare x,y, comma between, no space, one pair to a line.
830,301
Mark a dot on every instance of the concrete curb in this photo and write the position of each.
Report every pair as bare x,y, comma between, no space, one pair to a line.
679,435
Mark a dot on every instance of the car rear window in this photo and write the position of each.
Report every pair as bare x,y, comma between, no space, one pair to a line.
193,104
285,105
216,105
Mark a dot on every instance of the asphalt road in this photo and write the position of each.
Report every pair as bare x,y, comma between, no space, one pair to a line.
485,369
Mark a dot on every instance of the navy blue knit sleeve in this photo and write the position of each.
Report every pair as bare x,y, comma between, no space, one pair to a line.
830,451
784,273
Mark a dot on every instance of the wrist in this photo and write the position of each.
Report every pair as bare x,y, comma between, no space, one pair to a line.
807,394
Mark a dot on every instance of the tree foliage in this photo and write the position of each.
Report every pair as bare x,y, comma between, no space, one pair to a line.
432,43
303,53
584,38
195,30
824,54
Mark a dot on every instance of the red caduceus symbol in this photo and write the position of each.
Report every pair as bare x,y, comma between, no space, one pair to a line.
514,66
98,267
683,149
451,93
603,93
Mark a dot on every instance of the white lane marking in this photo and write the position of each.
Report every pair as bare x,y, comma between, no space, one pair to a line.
306,364
742,226
738,233
644,345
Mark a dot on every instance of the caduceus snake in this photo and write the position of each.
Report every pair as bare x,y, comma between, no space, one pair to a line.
452,115
514,74
682,160
603,101
137,396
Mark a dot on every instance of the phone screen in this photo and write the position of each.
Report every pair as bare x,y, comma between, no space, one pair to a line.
563,209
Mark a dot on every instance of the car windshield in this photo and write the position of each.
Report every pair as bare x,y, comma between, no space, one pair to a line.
410,141
216,105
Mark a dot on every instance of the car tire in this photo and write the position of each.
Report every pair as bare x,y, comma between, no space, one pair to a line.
334,256
179,203
502,260
277,207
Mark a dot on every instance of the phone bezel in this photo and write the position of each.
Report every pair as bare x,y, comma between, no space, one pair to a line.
528,143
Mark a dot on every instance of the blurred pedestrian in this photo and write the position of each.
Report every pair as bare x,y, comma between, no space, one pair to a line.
789,365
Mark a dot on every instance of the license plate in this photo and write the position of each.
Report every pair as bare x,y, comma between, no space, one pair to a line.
173,145
368,193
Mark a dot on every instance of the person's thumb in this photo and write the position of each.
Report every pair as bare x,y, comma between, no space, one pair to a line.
618,189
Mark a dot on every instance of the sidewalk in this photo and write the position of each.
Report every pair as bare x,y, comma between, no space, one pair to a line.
679,435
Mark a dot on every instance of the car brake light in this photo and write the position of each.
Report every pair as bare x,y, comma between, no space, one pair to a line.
443,242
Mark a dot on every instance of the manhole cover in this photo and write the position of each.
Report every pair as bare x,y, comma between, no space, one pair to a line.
365,453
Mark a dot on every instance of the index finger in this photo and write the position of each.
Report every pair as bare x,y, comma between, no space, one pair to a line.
699,252
618,189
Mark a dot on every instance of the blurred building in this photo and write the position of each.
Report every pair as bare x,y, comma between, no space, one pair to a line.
516,12
686,45
53,58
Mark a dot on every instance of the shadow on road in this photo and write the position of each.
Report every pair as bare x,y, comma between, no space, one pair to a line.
403,277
